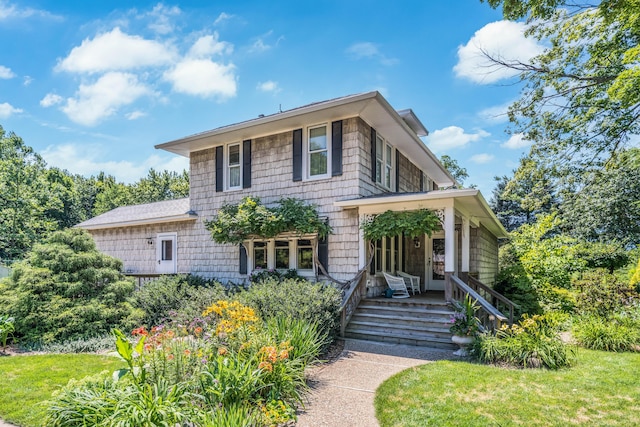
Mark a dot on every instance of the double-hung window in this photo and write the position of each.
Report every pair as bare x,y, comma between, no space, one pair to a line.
317,155
387,255
384,162
234,167
282,254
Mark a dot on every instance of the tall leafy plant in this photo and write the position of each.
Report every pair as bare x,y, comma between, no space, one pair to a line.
394,223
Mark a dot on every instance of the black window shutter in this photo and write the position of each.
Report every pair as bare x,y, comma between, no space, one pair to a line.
336,148
246,163
421,181
323,253
297,155
243,259
219,168
373,154
397,170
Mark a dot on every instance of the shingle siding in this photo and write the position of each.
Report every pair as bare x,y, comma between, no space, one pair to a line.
483,260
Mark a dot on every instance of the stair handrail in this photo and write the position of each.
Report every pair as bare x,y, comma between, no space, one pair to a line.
490,317
350,302
477,285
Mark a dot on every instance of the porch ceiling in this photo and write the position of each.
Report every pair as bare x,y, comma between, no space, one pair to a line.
468,202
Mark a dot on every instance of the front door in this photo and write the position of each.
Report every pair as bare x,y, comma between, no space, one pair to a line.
166,253
435,263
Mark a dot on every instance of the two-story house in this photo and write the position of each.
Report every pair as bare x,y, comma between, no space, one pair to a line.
350,157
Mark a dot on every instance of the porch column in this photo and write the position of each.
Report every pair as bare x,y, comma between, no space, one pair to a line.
464,258
362,245
449,250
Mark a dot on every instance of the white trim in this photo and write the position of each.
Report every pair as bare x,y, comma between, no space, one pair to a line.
146,221
306,163
227,167
170,266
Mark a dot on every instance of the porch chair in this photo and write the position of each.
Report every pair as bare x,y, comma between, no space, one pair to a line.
397,285
412,281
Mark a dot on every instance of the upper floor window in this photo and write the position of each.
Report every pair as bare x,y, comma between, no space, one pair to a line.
384,162
234,167
317,152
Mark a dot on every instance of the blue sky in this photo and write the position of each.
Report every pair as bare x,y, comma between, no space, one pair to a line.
93,86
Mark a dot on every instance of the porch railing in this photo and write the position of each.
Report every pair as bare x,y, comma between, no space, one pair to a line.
490,317
499,301
350,302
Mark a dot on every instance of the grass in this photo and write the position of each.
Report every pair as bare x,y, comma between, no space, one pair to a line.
26,381
602,389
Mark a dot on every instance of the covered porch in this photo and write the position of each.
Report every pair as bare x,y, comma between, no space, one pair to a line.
465,245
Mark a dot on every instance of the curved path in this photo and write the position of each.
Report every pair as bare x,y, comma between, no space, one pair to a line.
342,391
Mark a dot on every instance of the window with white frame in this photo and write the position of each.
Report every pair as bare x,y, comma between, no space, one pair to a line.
317,151
234,167
387,255
384,162
282,254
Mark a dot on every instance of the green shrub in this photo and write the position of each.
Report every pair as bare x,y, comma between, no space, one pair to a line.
65,289
297,299
80,345
610,256
602,294
513,283
620,332
179,297
531,343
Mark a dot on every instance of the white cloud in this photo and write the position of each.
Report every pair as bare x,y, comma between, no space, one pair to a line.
88,160
102,99
135,115
27,80
452,137
50,99
268,86
115,50
496,114
261,45
222,17
203,77
368,50
502,39
11,11
6,73
516,142
481,158
7,110
162,18
207,46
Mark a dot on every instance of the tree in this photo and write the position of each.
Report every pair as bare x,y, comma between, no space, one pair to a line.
581,99
66,289
23,197
458,172
157,186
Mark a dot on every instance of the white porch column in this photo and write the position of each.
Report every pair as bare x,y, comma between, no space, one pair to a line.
466,231
362,246
449,250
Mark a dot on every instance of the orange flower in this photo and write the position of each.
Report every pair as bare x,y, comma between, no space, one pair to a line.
222,351
187,352
266,366
139,331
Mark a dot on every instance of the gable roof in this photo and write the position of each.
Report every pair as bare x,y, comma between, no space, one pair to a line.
149,213
402,129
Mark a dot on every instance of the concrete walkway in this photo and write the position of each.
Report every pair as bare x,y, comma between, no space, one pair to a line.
342,391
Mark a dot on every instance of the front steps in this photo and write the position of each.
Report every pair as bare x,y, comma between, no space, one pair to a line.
411,321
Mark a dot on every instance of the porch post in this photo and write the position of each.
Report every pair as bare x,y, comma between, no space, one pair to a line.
362,247
464,273
449,250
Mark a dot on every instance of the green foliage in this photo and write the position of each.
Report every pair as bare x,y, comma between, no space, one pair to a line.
66,289
513,283
394,223
458,172
619,332
250,218
601,293
610,256
7,327
94,344
169,296
464,320
313,302
260,275
531,343
635,277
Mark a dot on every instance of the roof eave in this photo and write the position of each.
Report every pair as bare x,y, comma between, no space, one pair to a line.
134,223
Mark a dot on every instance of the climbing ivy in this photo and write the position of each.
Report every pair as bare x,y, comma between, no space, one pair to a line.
394,223
250,218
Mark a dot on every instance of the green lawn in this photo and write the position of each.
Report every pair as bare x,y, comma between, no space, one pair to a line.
26,381
602,389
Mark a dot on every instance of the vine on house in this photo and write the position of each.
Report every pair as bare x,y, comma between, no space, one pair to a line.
250,218
394,223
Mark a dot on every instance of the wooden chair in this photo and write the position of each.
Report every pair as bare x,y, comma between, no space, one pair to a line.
412,281
397,285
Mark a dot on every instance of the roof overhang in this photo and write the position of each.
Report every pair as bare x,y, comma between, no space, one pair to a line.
370,106
146,221
469,202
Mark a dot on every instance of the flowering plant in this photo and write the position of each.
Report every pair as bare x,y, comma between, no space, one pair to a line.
464,320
